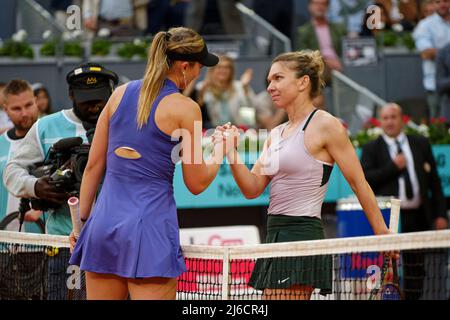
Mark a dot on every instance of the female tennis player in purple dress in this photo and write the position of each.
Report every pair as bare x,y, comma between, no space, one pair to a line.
130,244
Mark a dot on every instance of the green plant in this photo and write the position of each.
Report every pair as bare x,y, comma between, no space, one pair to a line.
17,46
137,48
408,41
101,47
48,48
16,49
370,132
71,49
387,39
436,131
391,38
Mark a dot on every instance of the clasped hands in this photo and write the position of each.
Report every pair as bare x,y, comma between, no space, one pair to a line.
226,138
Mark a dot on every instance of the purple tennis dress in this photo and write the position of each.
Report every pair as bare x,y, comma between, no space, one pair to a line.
133,229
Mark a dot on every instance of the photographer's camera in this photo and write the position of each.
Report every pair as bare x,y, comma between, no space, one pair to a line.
61,173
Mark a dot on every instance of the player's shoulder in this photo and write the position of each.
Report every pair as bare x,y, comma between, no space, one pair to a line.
326,121
120,90
116,97
327,127
180,108
183,104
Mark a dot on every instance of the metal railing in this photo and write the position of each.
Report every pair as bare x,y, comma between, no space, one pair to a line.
35,20
352,102
263,33
261,39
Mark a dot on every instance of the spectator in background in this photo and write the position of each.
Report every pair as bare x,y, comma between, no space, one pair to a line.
214,17
114,15
140,14
348,12
427,8
383,25
43,99
319,34
403,12
5,122
443,80
59,10
278,13
431,34
165,14
403,166
226,99
20,106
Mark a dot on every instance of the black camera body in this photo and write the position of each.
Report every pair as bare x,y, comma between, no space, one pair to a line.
64,165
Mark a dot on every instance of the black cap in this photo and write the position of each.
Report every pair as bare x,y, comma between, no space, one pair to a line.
204,57
91,81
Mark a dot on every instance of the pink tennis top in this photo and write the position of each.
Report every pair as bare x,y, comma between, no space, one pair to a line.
299,181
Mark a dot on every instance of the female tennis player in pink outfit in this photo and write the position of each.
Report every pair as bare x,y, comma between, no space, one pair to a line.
297,161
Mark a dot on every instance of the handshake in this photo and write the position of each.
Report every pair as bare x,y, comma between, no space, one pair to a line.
225,139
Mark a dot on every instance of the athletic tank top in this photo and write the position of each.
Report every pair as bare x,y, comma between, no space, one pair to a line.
299,181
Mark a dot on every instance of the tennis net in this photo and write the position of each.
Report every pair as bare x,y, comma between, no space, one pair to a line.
34,266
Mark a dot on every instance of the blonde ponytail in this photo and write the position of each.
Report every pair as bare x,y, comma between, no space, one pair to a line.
157,68
179,40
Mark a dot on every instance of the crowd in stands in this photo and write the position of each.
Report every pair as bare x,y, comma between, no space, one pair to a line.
221,17
223,94
226,96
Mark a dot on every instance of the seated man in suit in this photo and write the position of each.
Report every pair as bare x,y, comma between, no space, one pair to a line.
403,166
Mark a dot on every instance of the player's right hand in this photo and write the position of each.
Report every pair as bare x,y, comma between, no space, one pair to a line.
46,191
73,241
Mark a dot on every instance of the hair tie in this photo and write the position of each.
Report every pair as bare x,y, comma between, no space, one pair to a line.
168,35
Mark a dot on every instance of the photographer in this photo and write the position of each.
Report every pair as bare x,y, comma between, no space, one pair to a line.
90,86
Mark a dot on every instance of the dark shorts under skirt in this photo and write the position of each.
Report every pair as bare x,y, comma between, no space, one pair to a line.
284,272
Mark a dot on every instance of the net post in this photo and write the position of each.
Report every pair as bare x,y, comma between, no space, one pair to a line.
226,274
